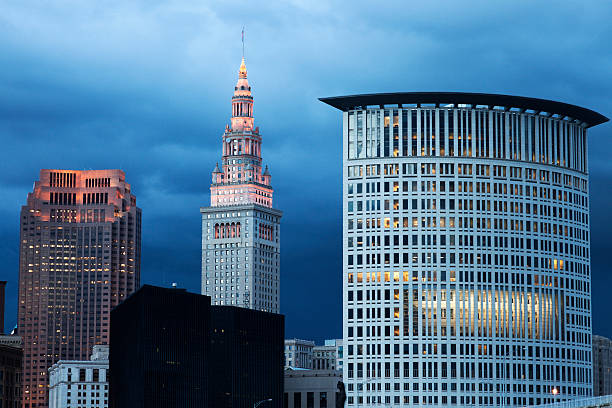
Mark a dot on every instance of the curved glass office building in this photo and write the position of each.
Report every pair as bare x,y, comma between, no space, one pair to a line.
466,278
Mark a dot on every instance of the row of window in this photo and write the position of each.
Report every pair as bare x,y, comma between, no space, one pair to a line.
464,170
443,259
497,280
466,133
488,207
306,400
62,179
489,243
227,230
501,399
479,222
373,189
98,182
507,370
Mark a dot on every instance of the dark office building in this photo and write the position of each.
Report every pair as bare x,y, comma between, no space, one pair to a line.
159,345
11,355
248,357
10,375
170,348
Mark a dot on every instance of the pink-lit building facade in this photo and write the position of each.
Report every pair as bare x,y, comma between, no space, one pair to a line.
80,239
240,229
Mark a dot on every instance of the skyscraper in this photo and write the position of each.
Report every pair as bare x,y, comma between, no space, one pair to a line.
79,257
466,272
240,229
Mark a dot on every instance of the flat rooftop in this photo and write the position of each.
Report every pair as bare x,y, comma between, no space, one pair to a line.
473,100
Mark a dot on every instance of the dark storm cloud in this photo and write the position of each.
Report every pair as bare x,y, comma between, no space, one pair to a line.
146,86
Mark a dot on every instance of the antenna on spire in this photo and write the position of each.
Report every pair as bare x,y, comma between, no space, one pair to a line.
242,41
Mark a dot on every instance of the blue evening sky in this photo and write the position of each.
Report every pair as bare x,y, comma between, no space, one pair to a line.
145,86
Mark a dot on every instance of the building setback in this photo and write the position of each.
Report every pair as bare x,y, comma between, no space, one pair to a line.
171,348
466,270
79,257
82,384
240,229
602,366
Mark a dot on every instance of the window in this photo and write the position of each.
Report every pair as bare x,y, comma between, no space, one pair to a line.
310,400
297,400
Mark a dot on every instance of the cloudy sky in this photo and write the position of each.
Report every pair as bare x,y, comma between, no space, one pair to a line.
145,86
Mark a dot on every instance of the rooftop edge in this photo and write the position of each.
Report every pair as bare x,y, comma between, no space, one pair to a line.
507,102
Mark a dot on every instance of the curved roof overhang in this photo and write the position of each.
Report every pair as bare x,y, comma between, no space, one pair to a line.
474,100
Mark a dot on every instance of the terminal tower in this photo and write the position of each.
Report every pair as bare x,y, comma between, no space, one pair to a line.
241,229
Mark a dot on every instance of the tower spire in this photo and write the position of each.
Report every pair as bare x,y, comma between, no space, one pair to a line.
243,43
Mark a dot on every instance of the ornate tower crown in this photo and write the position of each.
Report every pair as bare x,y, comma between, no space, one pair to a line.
241,180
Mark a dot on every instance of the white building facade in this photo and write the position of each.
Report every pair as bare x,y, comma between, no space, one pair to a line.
80,384
240,229
337,344
466,277
298,353
325,357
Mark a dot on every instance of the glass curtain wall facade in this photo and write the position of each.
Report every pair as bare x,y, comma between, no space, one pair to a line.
466,278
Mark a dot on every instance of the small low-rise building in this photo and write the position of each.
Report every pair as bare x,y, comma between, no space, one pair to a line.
329,356
602,366
324,358
311,388
298,353
81,384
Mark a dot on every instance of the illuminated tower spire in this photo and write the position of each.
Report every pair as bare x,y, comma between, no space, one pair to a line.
242,101
241,180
